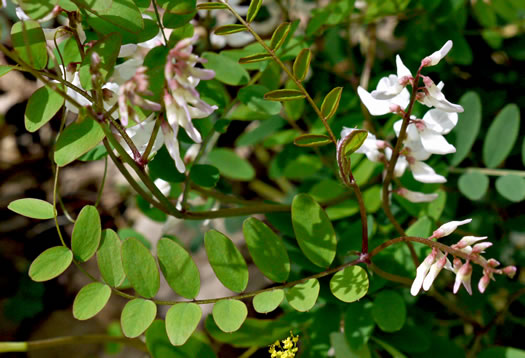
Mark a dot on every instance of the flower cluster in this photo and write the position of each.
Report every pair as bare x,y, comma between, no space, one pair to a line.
424,136
288,349
181,99
428,270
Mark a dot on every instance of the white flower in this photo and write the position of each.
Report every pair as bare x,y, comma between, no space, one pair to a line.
172,144
433,97
437,56
378,107
141,133
422,172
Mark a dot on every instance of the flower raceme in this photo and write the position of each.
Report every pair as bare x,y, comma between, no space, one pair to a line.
432,265
424,136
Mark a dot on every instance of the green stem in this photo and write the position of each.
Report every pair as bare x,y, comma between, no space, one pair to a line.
30,346
285,69
152,140
159,22
99,194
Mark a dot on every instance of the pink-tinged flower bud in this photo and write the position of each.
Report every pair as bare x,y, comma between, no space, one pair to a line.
448,228
483,283
480,248
510,271
435,269
456,264
422,271
463,276
415,196
434,58
405,80
468,241
395,108
493,263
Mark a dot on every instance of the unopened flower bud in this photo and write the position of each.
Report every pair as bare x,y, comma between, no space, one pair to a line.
395,108
480,248
483,283
435,269
448,228
463,276
468,241
510,271
493,262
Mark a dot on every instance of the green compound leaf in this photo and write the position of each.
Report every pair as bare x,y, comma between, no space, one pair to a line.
473,185
178,268
267,250
43,104
303,296
140,268
231,165
229,29
279,35
253,9
181,321
313,230
50,263
90,300
29,43
349,284
468,126
137,316
211,6
312,140
107,48
258,57
86,234
359,324
284,95
109,258
226,261
77,139
229,315
302,63
268,301
353,141
331,102
511,187
389,311
226,70
32,208
204,175
501,136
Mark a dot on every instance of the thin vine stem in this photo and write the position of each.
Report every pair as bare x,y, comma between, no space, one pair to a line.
99,194
159,22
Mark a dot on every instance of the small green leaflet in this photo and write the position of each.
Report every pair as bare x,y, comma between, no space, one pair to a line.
32,208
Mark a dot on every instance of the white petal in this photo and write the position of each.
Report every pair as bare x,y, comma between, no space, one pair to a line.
127,50
126,70
438,55
387,88
440,121
417,197
401,166
424,173
402,99
435,143
376,107
402,70
172,144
